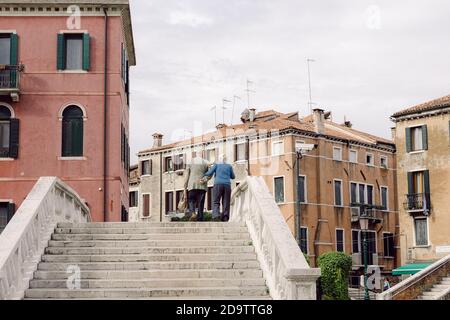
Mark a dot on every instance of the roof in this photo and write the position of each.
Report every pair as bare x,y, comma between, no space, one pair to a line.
126,15
270,120
435,104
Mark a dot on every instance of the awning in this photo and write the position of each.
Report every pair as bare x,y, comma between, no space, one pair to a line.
412,268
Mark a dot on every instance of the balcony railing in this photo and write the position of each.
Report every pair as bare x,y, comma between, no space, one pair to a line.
373,212
10,80
417,202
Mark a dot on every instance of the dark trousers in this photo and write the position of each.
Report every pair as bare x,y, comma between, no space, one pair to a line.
221,193
196,200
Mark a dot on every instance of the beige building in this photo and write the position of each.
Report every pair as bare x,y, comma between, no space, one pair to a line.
423,155
349,173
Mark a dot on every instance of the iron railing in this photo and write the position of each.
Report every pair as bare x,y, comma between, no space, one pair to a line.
417,201
10,77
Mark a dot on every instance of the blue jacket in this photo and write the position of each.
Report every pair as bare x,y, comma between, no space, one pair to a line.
223,173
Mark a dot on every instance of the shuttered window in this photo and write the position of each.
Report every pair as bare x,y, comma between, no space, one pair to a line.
388,244
146,205
9,134
304,240
73,52
416,138
9,46
340,240
279,189
72,132
7,210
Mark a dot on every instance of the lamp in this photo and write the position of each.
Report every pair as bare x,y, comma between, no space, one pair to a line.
364,224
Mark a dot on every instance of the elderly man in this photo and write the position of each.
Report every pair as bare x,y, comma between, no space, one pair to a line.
223,174
195,185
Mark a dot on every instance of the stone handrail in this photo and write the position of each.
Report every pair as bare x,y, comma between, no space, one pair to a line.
23,241
413,286
285,269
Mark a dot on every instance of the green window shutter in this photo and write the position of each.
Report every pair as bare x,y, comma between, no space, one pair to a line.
425,137
426,181
410,183
14,138
86,52
14,49
77,136
14,60
61,53
11,211
408,140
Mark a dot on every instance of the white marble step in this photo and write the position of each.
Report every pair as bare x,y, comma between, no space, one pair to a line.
153,236
147,230
166,243
146,293
150,224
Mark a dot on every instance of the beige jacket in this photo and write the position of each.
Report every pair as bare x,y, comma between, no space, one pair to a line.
195,171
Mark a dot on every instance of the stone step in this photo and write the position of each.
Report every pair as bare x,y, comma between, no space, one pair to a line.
147,293
145,258
445,282
153,274
148,250
149,224
147,283
195,298
438,289
429,293
84,266
441,286
156,236
147,230
148,243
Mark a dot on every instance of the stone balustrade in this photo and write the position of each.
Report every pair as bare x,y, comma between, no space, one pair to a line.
287,274
25,238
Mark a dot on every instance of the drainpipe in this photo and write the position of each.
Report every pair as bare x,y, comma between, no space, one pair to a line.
105,123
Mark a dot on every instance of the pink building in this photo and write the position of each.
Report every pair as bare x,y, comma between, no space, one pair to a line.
64,101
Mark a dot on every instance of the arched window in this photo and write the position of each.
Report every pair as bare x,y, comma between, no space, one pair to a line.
72,132
9,134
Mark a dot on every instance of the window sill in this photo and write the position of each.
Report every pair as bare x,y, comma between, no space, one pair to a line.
370,165
146,175
240,161
422,247
73,71
72,158
417,152
338,160
7,159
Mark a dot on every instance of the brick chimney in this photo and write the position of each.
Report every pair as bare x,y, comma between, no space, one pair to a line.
221,126
319,120
157,140
252,114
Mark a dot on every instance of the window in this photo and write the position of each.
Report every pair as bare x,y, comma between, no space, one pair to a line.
369,194
6,213
353,156
369,159
384,162
421,231
8,56
133,199
168,164
179,162
418,197
337,153
302,189
146,205
388,244
384,197
73,51
277,148
371,237
169,202
340,240
125,72
279,189
240,151
353,193
72,132
9,134
211,155
355,241
304,239
416,138
338,196
125,149
146,167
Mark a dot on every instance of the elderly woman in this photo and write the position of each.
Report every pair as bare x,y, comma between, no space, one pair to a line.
223,174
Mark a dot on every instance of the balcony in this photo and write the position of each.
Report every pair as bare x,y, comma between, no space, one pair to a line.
417,202
373,212
10,80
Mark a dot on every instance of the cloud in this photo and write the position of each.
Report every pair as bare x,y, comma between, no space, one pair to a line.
189,19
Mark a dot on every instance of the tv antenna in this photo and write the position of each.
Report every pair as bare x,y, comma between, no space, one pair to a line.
215,114
310,103
224,108
249,91
234,105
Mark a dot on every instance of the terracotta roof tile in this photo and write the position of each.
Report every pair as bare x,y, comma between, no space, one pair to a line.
427,106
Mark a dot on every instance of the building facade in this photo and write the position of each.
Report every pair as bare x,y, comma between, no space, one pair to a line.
348,174
422,136
64,101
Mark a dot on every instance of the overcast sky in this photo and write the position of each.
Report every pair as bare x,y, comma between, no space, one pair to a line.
372,58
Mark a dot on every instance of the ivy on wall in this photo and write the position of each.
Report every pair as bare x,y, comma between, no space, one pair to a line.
335,268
